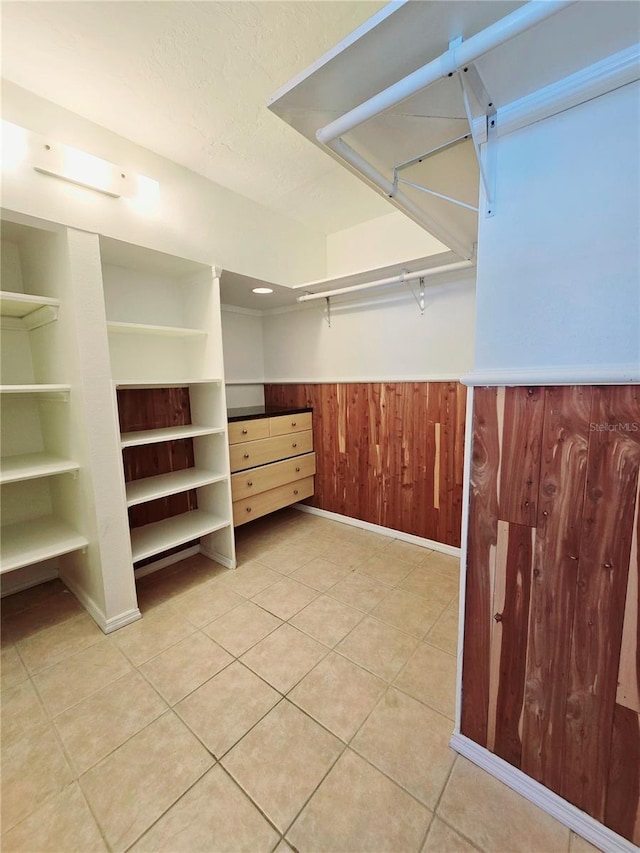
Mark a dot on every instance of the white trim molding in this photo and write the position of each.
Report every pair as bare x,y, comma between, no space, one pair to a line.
237,309
338,380
163,562
569,815
431,544
97,614
590,374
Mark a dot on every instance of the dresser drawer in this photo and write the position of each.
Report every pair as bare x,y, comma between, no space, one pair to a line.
252,453
248,483
248,430
290,423
269,501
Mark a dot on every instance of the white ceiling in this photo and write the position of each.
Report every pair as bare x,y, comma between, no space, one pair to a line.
191,81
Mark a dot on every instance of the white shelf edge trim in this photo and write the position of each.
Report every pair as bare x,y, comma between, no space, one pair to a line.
430,544
614,374
140,384
16,469
28,542
161,486
35,389
563,811
306,380
162,535
155,436
116,327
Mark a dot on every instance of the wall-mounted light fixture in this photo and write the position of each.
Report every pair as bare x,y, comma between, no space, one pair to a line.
20,146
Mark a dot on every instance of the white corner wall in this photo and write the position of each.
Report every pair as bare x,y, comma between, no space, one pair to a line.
559,263
195,218
381,337
383,241
243,348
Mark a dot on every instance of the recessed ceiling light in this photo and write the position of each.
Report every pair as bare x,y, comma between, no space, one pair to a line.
262,290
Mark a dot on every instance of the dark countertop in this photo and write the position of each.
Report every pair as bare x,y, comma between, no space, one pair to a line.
254,412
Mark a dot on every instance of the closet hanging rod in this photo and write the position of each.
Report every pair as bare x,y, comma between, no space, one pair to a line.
394,279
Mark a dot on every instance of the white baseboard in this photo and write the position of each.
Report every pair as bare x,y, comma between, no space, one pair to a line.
13,582
608,374
217,557
97,614
431,544
120,621
569,815
150,568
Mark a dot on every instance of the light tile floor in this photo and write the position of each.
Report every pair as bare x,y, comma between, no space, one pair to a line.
303,702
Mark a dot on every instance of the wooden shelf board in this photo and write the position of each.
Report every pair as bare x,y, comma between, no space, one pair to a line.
19,305
29,542
118,328
162,485
165,383
34,389
154,436
33,465
162,535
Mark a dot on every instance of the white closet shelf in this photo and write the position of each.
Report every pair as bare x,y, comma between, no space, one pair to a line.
30,466
166,383
20,305
29,542
154,436
35,389
118,328
162,485
162,535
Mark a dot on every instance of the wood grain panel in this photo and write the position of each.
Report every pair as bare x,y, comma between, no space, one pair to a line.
375,448
565,434
605,549
622,812
520,462
628,693
483,521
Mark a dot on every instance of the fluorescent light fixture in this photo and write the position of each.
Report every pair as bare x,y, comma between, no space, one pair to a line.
262,290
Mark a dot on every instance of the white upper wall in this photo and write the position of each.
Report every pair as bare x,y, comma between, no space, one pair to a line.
195,219
383,241
559,263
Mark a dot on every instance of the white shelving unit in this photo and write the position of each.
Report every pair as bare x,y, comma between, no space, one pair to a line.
163,320
31,466
27,542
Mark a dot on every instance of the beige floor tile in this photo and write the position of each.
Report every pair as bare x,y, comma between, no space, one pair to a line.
285,558
22,712
73,679
205,603
214,815
226,707
386,568
131,788
280,762
33,769
443,839
496,818
407,552
52,645
338,694
103,721
432,585
410,743
430,676
53,610
161,628
444,634
63,823
285,598
185,666
12,669
378,647
283,847
321,574
358,810
311,544
408,612
29,597
243,627
250,579
444,564
359,591
581,845
348,554
327,620
284,657
161,586
373,540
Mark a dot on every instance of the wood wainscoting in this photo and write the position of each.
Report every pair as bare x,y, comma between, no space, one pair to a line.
387,453
551,664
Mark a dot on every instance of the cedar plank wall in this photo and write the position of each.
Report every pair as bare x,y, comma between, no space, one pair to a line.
551,662
387,453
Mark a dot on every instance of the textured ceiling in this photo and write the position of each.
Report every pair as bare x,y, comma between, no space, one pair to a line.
190,81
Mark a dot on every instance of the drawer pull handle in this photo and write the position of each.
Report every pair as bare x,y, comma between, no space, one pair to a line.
293,423
245,431
248,509
298,470
294,444
246,455
250,483
295,491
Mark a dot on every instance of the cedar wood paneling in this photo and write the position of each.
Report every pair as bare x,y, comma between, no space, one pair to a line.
552,581
387,453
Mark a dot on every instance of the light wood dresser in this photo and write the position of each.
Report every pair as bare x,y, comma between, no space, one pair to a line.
272,460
